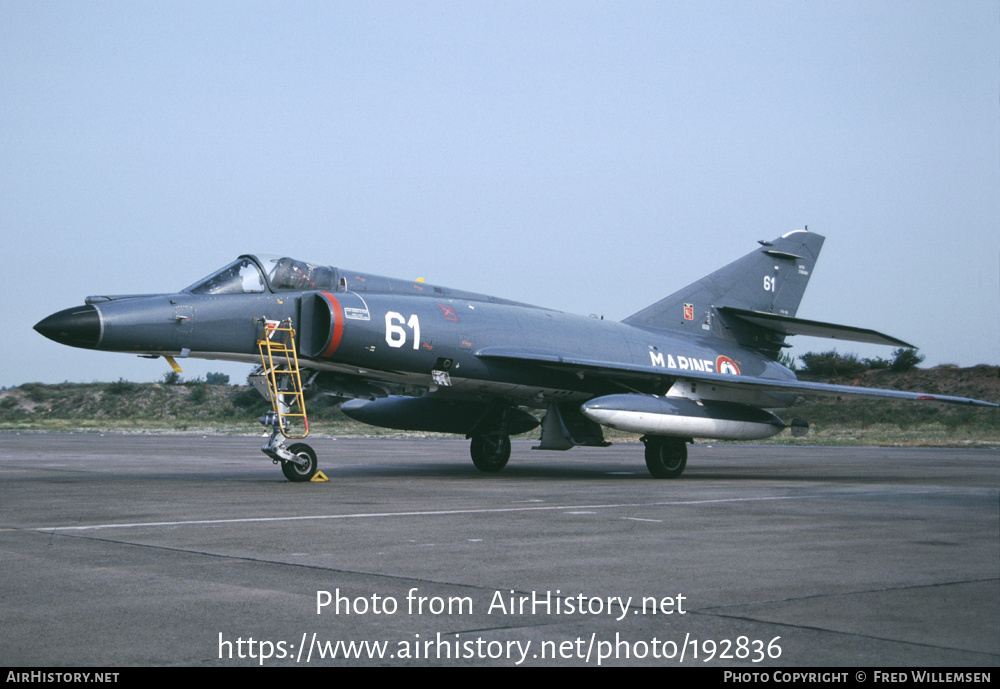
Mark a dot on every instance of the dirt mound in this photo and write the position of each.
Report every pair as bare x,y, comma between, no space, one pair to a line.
979,382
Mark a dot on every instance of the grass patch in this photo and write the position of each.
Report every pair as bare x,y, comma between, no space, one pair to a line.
126,407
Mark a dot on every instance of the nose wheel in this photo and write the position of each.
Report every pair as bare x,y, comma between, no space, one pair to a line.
298,460
303,467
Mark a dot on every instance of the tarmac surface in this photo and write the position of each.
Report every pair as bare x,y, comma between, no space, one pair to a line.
122,550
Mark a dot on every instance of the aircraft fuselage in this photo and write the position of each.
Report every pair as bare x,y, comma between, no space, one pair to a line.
416,340
698,363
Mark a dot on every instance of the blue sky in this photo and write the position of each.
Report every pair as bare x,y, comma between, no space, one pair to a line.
586,156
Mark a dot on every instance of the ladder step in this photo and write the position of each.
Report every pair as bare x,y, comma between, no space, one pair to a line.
284,349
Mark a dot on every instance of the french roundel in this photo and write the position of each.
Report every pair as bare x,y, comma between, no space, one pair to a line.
724,364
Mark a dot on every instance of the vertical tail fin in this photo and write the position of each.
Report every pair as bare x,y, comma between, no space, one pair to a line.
771,279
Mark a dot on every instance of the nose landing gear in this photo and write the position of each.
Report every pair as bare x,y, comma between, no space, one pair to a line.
278,379
298,460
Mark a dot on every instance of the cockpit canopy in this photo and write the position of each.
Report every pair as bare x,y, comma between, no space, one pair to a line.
253,274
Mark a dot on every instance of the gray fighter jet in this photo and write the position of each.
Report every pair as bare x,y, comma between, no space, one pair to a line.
700,363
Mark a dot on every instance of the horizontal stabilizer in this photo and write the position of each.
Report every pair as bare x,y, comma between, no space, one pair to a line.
786,325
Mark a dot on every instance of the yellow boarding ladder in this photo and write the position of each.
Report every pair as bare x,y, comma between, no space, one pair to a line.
279,343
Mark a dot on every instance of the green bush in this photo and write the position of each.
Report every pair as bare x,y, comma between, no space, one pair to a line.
832,364
249,401
36,392
903,359
122,387
787,360
198,393
217,379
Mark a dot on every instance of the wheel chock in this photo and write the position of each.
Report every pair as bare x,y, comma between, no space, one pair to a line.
319,477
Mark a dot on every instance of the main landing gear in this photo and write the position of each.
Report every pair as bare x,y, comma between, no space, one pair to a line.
665,457
490,452
490,447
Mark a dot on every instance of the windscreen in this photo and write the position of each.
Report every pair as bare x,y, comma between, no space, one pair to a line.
242,276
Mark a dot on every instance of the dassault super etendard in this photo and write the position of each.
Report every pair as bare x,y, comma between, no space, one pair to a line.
700,363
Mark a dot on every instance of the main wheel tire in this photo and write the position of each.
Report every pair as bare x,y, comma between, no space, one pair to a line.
490,453
666,457
296,473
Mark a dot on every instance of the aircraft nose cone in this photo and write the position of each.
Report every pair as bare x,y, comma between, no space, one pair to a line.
79,326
